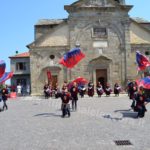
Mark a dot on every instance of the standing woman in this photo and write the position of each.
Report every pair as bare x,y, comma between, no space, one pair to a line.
91,89
74,95
4,97
99,89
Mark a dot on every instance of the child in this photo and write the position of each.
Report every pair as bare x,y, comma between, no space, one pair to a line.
65,103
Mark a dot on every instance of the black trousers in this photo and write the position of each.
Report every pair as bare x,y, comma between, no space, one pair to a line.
5,105
65,110
74,104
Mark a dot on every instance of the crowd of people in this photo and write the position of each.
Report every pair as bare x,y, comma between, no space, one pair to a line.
69,95
70,91
138,97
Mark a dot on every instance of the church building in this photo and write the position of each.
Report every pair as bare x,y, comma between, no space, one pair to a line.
104,32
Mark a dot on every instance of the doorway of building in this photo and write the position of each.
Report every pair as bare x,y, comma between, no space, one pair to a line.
54,80
101,76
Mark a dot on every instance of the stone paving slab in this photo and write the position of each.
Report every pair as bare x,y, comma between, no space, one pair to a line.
33,123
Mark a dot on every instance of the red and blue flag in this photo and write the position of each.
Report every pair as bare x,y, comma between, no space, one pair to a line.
6,76
71,58
2,67
142,61
144,82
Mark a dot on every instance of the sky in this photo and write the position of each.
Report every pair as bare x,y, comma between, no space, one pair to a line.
18,17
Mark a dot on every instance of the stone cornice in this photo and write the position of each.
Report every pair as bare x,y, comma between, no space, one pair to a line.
69,8
49,47
142,44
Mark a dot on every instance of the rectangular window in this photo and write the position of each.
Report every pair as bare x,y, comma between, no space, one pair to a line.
20,66
21,82
99,32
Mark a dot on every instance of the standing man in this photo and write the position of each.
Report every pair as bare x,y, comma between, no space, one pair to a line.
4,97
74,95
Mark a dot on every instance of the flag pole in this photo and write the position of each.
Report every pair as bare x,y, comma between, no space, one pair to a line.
70,74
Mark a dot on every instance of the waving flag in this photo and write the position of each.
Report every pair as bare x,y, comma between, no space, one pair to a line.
81,81
142,61
71,58
144,82
5,77
2,68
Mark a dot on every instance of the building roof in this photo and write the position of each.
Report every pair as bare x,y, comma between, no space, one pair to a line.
140,20
135,39
21,55
49,22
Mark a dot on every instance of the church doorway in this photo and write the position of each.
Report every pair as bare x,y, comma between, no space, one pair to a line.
101,76
54,80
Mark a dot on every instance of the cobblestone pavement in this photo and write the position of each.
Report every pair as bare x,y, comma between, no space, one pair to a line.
33,123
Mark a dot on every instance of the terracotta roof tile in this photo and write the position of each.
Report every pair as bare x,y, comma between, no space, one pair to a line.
25,54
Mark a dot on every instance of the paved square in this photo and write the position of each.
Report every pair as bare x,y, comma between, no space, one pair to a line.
33,123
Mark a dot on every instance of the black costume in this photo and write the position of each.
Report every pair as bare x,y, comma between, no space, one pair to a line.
140,104
116,89
100,90
91,89
82,90
108,90
74,96
65,104
4,97
132,89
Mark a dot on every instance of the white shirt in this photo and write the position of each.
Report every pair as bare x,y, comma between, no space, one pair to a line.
19,89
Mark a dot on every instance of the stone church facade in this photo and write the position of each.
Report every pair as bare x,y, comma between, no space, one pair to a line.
104,32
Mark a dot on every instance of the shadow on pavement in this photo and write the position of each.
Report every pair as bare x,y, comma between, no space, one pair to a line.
130,114
127,113
112,118
47,115
126,110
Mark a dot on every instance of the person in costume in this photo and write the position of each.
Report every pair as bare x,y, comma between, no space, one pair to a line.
99,89
46,90
57,91
82,90
117,89
108,90
140,103
65,106
74,95
90,89
132,90
4,93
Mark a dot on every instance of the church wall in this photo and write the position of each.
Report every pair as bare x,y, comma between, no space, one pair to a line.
81,32
41,30
40,63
